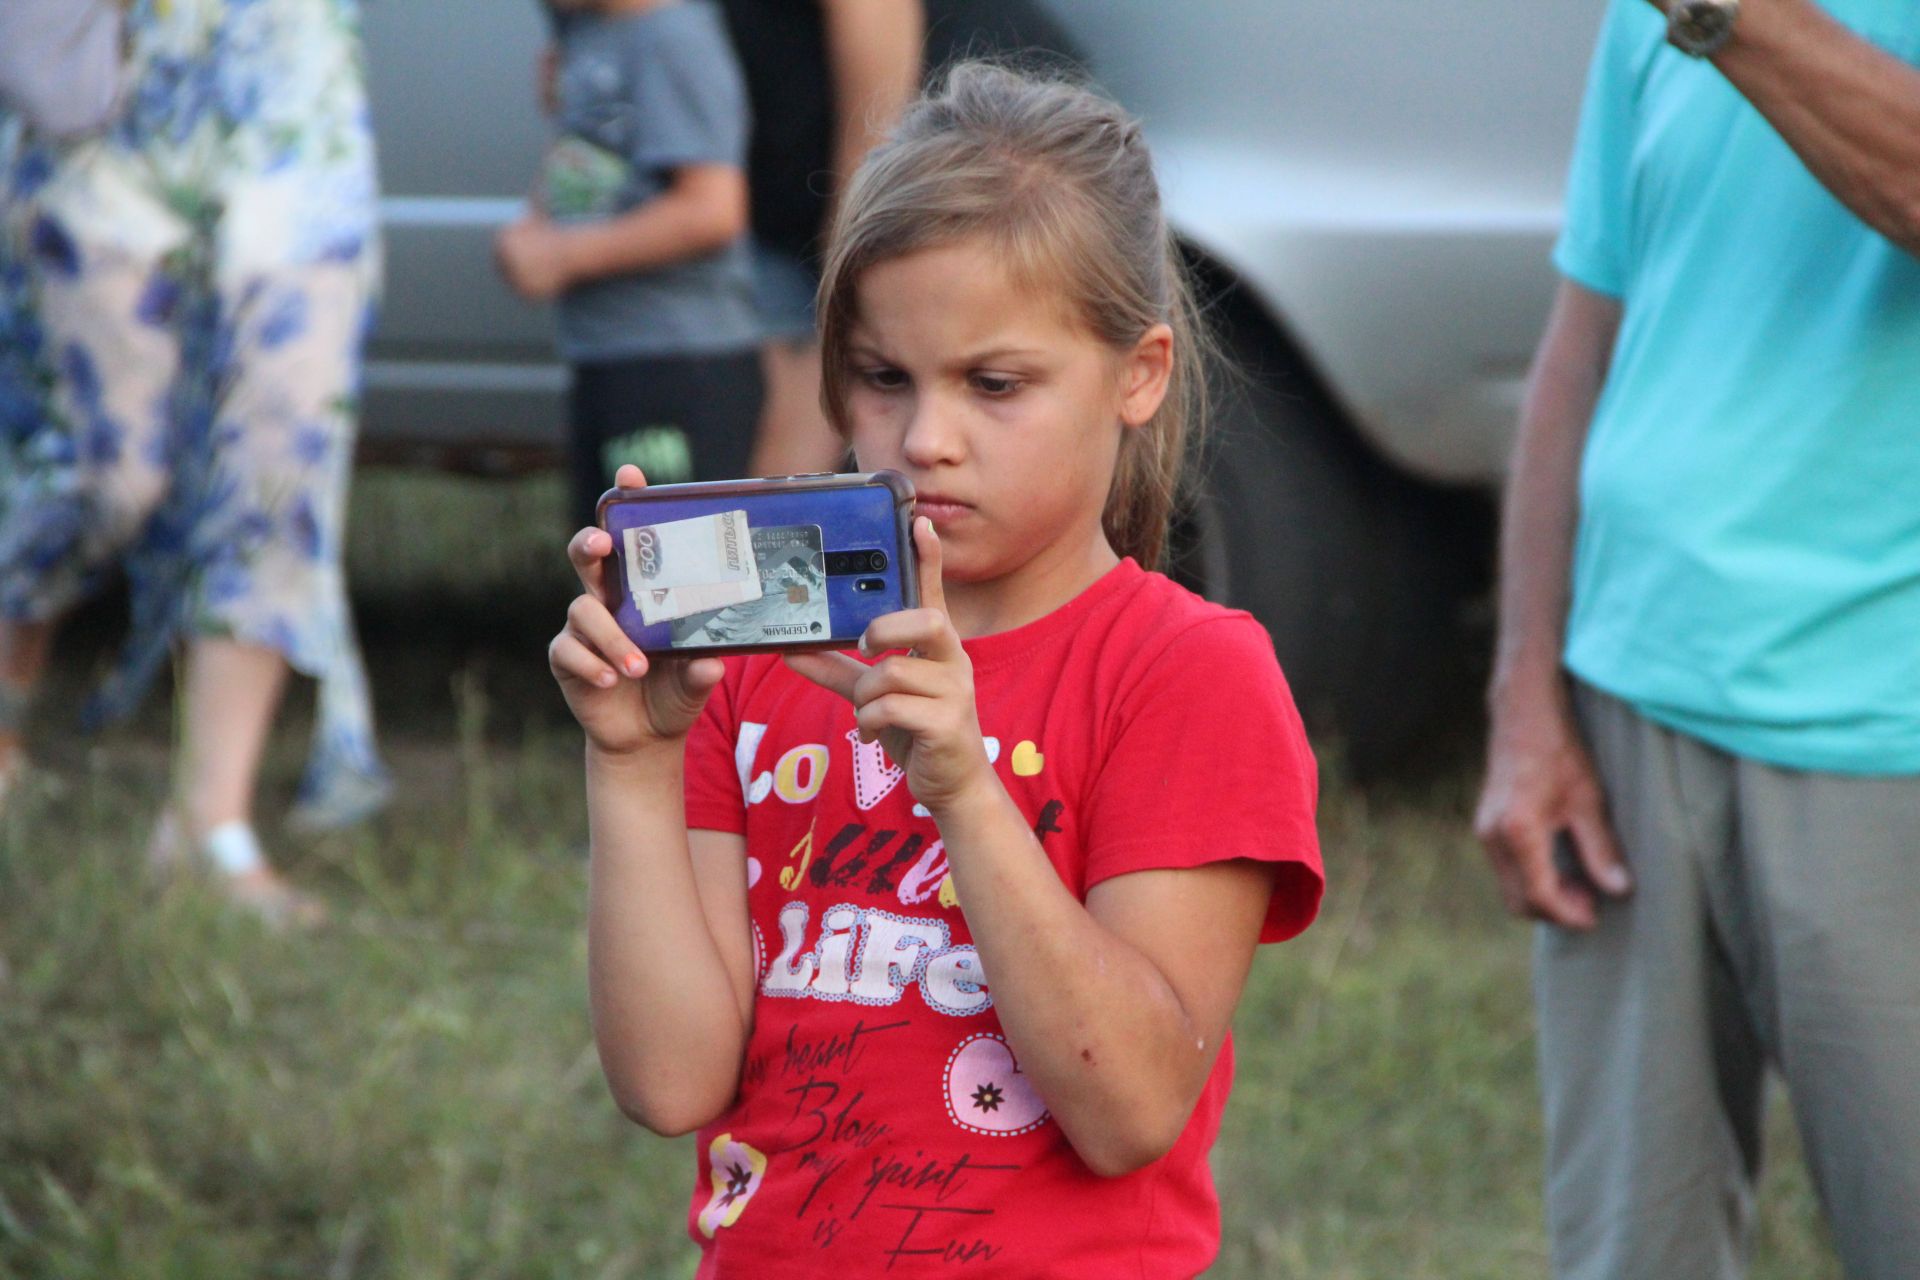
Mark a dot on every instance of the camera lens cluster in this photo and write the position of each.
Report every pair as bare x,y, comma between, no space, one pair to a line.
841,563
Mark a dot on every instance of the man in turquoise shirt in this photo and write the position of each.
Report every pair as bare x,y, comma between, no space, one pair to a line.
1704,776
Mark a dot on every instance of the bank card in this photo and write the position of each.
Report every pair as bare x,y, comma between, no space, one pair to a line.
790,606
691,566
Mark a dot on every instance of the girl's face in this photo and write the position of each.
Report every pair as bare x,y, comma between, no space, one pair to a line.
1004,411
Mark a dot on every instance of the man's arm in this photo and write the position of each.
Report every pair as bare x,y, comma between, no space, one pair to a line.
1849,109
873,57
1540,782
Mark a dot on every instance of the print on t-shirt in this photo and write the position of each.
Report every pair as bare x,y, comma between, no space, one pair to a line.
737,1173
986,1090
868,954
861,953
900,1133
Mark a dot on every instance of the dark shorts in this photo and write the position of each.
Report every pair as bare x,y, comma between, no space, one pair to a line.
678,417
783,294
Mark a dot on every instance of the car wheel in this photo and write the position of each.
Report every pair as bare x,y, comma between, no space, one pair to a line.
1365,578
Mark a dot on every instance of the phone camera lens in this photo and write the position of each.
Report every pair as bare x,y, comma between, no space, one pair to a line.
877,561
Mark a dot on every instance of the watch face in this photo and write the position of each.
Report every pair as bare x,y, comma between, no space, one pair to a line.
1701,27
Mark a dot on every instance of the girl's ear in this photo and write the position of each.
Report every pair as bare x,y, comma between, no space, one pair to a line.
1145,374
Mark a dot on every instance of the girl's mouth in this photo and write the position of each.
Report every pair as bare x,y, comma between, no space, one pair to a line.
939,508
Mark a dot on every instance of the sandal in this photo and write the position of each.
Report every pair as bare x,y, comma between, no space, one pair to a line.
278,904
231,854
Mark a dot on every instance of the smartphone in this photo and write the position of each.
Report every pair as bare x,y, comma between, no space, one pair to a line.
757,566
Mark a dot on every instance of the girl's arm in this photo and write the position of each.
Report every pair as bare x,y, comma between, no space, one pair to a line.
1116,1008
669,947
702,211
668,937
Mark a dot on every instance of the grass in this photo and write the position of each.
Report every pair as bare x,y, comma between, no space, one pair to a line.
411,1092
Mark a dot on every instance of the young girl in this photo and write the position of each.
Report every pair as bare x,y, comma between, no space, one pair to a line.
938,946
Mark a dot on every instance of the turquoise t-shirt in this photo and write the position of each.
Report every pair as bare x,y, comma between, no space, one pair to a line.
1747,567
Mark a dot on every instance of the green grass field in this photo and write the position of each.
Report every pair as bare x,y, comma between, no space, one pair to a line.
411,1091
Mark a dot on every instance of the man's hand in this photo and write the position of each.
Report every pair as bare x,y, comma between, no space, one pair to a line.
1540,787
533,257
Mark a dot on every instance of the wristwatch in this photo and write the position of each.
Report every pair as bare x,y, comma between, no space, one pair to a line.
1701,28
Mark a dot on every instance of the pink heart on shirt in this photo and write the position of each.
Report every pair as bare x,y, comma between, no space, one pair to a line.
873,774
986,1090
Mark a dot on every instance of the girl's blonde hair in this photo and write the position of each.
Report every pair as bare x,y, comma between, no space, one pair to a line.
1058,179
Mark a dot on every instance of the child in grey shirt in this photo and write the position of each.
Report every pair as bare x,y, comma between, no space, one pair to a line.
638,234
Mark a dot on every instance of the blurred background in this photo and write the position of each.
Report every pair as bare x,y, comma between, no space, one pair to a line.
1369,196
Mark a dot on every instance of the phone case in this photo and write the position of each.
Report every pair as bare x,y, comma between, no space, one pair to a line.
752,566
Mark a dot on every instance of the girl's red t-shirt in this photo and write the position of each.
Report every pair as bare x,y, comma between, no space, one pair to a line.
883,1125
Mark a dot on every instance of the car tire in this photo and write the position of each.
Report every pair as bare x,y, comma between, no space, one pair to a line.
1366,579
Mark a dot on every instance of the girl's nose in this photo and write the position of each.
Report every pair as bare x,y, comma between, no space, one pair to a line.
934,433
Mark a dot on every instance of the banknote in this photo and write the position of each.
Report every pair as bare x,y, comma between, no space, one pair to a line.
683,567
681,602
792,602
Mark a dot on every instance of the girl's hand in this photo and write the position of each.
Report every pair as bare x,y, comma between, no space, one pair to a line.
917,703
625,701
532,256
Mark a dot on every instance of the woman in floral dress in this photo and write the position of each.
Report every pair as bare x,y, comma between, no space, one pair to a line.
183,303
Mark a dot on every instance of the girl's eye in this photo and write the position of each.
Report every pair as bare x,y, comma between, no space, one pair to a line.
996,384
883,379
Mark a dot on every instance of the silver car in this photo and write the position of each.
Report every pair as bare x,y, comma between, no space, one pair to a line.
1369,192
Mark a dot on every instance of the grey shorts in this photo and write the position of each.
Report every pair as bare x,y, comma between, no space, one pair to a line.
1775,924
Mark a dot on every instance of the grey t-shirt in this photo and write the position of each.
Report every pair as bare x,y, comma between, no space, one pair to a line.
641,95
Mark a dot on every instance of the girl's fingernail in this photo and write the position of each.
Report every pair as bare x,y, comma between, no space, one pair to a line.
604,679
632,664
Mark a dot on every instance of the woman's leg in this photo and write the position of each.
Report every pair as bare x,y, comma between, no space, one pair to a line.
228,700
277,598
68,521
794,435
230,695
24,647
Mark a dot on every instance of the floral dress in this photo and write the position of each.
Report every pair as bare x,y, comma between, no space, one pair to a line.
183,305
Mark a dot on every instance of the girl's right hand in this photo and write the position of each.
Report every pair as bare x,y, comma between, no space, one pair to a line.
624,700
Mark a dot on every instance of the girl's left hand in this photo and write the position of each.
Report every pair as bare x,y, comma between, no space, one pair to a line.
918,701
532,256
